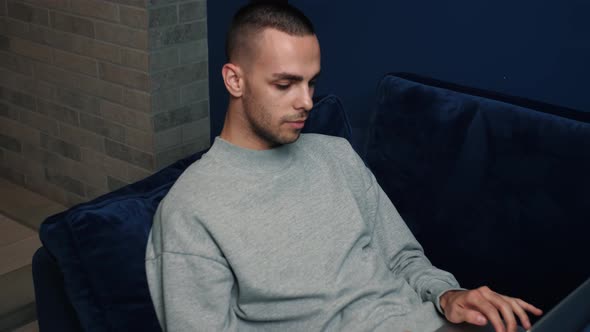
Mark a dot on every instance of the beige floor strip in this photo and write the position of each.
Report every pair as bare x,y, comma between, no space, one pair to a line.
21,213
31,327
19,254
11,231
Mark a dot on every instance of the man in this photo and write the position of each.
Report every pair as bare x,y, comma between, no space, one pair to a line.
273,230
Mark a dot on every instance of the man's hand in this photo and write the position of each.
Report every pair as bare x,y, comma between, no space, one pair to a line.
478,306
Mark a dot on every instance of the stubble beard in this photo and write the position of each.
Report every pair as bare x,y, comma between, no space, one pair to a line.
260,121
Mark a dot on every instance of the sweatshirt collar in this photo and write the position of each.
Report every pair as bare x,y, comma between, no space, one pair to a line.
270,160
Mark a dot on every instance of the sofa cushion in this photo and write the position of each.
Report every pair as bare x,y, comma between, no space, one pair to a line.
100,245
497,193
328,117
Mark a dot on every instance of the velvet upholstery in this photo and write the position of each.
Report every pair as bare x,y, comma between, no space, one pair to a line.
92,262
99,247
54,310
497,193
328,117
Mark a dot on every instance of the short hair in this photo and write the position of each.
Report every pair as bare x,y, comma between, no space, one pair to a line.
259,15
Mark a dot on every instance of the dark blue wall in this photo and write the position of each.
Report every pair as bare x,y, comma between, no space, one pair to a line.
529,48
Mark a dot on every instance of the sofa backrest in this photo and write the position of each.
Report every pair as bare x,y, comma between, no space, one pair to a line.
496,193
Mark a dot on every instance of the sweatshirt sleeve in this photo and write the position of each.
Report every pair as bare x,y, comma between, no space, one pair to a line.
190,283
404,255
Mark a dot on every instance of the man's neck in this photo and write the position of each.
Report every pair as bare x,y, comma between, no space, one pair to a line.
232,134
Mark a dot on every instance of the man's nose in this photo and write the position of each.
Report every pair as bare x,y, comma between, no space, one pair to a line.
305,101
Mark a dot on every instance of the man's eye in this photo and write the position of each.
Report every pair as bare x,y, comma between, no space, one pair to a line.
312,84
283,86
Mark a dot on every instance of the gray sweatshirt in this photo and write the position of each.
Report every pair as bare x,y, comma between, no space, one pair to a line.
296,238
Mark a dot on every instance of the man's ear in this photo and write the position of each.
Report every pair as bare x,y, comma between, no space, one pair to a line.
233,79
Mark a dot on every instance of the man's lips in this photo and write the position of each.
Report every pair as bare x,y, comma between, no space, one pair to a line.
296,124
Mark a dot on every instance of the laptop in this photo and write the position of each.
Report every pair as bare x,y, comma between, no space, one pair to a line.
572,314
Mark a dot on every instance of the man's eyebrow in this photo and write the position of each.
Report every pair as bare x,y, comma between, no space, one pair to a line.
291,77
288,77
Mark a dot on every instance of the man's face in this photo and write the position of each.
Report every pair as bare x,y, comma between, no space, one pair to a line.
279,86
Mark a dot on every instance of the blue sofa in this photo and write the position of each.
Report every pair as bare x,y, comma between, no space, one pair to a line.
496,188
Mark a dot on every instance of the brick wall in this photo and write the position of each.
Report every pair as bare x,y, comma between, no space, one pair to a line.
96,94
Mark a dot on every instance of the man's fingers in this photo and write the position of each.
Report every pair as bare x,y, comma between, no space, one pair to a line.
510,307
519,306
459,314
483,305
478,301
474,317
519,311
529,307
492,315
505,308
